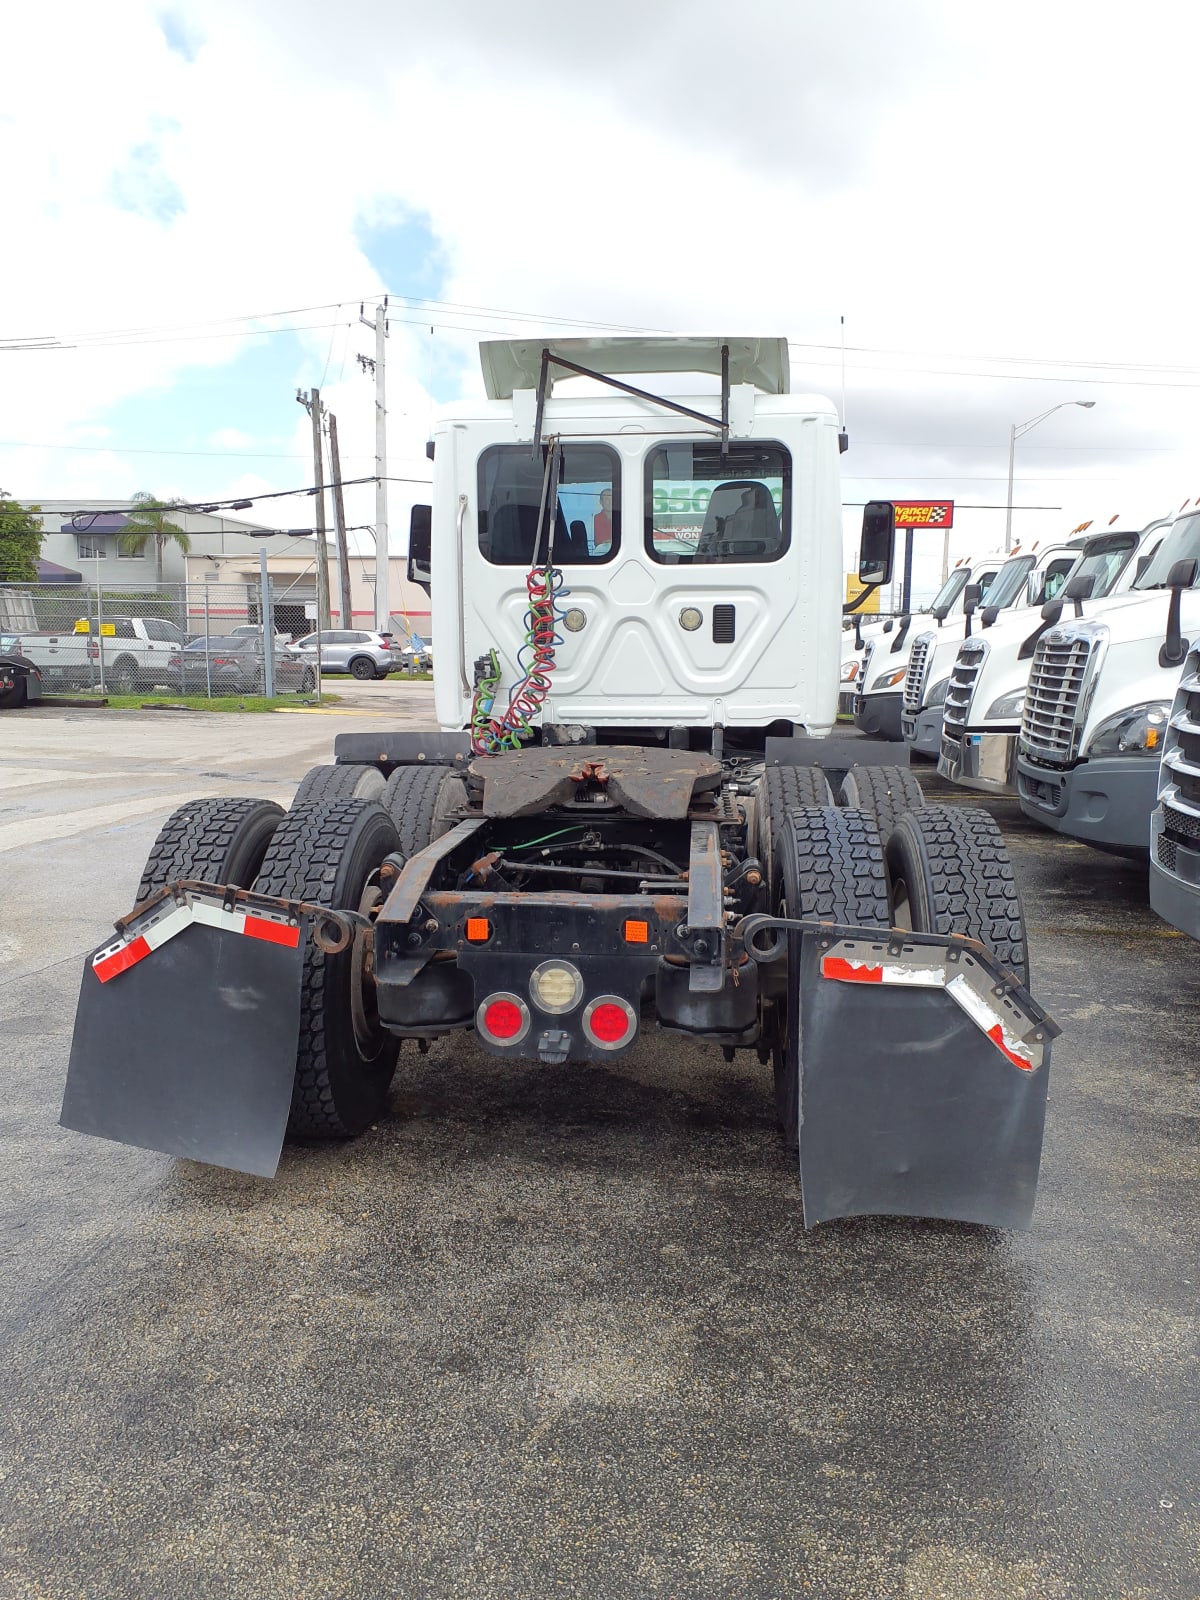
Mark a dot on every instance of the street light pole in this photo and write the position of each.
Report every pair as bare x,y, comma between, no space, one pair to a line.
1014,433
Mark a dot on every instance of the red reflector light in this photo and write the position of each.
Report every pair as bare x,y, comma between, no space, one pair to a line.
609,1022
503,1019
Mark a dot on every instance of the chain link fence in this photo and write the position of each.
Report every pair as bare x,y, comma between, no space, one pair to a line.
202,639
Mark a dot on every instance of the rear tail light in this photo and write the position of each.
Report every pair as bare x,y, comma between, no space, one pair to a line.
93,650
173,661
609,1022
503,1019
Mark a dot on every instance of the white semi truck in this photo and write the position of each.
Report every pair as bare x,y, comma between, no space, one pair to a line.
624,820
985,693
1098,700
1025,579
879,707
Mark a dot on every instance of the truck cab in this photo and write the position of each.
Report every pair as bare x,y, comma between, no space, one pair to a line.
985,692
701,575
1098,701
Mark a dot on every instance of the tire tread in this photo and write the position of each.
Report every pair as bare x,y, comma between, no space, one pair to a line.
302,864
196,841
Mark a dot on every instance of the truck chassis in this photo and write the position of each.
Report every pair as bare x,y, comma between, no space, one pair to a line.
556,901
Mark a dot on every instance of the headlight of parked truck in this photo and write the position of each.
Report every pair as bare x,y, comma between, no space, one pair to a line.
937,695
889,680
1008,705
1136,731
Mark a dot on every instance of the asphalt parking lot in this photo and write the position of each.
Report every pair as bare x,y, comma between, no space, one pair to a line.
552,1331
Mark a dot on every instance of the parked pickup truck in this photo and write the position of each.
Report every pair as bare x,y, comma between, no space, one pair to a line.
136,653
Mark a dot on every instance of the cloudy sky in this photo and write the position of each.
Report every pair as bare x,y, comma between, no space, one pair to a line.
996,198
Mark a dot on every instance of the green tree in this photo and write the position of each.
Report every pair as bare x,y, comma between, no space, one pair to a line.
20,540
147,519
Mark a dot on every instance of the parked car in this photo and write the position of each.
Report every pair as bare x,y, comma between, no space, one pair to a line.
137,652
363,655
235,666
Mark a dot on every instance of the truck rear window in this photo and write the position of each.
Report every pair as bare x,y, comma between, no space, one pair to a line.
704,507
587,527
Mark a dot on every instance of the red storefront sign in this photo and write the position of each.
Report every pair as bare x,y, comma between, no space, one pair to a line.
924,513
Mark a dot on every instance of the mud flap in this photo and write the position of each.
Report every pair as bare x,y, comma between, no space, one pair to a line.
923,1080
193,1050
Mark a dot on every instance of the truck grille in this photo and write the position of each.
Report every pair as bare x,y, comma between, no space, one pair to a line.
1061,671
964,672
918,666
1168,852
1181,753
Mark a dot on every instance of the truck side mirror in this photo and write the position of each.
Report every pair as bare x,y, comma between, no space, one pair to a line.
1175,647
888,625
1079,589
972,595
877,542
420,546
988,615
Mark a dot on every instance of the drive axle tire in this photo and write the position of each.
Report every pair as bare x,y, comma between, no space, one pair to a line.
950,873
782,789
886,793
217,840
344,1058
321,784
418,799
13,697
830,869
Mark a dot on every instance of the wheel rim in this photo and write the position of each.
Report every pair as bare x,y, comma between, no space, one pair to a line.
369,1038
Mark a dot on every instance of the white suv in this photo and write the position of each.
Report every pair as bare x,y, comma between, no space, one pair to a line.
363,655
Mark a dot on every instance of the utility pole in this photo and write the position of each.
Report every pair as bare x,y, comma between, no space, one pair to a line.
383,606
339,522
315,410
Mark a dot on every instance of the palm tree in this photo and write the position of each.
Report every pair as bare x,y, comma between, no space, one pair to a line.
146,520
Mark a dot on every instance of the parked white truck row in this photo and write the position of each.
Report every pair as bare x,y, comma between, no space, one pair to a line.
1070,704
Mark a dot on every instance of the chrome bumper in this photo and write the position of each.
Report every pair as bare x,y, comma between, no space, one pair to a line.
986,761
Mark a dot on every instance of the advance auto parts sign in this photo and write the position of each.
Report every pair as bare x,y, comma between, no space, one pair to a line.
924,513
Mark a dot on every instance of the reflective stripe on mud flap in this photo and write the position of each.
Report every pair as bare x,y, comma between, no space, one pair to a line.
169,918
910,1104
997,1015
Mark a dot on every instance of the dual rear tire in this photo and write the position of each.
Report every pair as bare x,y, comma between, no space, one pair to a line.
327,850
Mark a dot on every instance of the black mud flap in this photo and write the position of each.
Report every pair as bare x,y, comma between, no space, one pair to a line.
923,1080
189,1047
